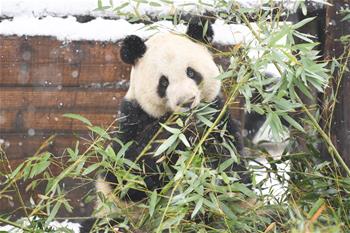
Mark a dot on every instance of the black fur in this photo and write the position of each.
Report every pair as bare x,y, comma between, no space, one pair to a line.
162,86
136,125
88,224
196,27
193,74
253,122
139,127
233,127
132,48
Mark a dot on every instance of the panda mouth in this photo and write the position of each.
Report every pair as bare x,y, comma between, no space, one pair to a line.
186,106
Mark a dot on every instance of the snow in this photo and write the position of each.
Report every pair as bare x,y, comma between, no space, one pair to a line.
101,29
40,8
273,189
75,227
45,18
231,33
68,28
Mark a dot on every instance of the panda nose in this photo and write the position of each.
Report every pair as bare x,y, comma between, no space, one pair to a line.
186,104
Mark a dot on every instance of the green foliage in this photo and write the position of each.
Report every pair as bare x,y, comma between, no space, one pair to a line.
199,198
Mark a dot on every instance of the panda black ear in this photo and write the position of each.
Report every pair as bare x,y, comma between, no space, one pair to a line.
200,29
132,48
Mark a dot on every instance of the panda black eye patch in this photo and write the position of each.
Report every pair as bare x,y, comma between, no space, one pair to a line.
192,74
162,86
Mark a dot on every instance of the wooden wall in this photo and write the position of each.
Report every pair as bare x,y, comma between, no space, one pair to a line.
41,79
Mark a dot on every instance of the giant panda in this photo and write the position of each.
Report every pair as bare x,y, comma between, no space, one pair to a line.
170,73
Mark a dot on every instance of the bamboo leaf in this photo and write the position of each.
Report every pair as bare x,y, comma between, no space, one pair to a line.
90,169
170,129
78,117
166,144
315,207
197,208
226,164
184,140
302,23
292,122
100,131
152,203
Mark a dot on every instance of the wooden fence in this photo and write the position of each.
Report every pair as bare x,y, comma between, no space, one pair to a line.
41,79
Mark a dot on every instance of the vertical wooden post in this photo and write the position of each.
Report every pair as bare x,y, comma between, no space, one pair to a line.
333,47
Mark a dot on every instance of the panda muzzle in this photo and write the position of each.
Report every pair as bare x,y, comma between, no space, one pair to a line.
187,104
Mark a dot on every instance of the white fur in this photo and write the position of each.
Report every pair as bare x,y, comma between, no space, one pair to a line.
115,205
170,54
105,189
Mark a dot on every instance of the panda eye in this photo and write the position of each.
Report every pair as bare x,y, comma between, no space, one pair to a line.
162,86
163,81
192,74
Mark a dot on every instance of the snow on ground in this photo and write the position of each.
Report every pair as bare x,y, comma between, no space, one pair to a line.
56,225
273,190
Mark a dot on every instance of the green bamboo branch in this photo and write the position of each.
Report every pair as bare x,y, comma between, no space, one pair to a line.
341,75
233,95
331,148
65,172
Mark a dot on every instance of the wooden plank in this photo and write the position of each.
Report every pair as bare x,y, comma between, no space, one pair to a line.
75,192
336,28
44,49
22,145
49,121
54,74
62,98
43,61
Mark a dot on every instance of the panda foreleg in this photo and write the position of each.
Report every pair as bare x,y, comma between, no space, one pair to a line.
108,204
233,128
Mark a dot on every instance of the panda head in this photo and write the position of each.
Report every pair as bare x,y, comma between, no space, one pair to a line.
170,72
